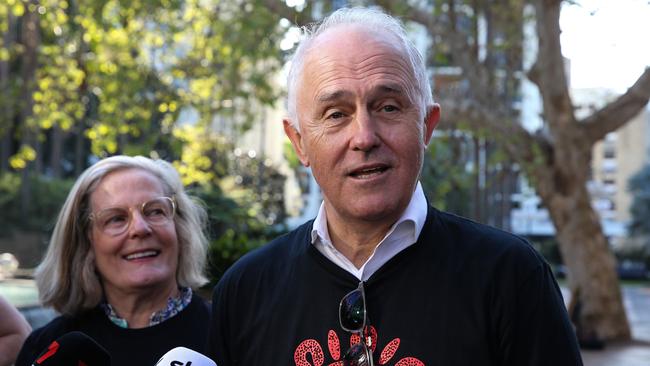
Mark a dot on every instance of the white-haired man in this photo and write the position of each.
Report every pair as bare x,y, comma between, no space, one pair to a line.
380,277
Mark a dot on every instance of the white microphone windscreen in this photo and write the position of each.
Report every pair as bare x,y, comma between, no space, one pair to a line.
181,356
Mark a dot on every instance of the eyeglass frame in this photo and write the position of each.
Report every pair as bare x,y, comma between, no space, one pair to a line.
361,331
172,199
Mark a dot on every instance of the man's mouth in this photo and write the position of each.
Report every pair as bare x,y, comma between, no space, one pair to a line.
140,255
369,172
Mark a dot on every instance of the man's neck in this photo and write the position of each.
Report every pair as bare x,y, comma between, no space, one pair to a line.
356,240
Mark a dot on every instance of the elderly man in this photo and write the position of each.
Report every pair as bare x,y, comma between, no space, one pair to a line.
380,277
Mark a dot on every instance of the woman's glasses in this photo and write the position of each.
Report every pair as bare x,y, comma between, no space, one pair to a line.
353,318
115,220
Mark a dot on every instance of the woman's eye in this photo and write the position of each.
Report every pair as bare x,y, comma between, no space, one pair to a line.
116,219
155,212
389,108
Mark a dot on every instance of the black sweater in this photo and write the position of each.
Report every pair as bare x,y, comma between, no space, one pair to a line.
142,346
464,294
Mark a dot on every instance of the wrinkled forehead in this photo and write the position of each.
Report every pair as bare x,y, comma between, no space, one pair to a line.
359,54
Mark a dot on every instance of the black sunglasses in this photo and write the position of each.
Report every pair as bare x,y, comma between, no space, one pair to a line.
353,318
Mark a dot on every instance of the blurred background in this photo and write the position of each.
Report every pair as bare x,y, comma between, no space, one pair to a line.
201,83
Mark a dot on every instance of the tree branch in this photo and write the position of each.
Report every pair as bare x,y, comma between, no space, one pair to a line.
620,111
515,139
280,8
548,71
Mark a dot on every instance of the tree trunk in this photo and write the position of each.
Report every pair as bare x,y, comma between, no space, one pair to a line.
5,150
79,150
6,104
56,154
30,39
591,266
478,197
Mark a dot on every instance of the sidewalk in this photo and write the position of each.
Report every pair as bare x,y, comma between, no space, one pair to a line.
633,353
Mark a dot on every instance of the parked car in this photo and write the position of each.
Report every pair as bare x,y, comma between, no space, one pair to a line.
626,270
559,271
632,270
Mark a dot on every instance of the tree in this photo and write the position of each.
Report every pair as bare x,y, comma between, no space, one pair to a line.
81,79
118,75
555,159
445,179
243,195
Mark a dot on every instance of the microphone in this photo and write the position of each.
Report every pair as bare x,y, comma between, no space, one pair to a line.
74,349
181,356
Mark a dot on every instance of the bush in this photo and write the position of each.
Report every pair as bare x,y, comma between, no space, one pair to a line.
235,228
43,200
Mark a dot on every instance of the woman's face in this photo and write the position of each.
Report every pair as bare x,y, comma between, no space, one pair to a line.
145,255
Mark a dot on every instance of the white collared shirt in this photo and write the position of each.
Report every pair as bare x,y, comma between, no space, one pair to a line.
402,234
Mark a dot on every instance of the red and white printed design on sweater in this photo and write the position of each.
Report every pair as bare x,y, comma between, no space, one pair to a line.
310,353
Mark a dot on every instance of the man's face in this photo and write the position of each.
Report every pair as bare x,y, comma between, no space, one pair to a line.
360,127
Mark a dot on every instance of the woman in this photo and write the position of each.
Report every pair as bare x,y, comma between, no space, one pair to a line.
126,251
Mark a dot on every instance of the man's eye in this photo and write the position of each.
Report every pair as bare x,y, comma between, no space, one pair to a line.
335,115
389,108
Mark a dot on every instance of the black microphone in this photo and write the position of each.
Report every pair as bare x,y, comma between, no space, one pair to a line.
181,356
73,349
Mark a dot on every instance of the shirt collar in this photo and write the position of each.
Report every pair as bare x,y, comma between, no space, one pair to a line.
401,235
174,306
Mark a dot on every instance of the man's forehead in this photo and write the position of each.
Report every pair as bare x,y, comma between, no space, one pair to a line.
352,34
355,49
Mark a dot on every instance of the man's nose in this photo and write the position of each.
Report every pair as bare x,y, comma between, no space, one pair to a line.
365,132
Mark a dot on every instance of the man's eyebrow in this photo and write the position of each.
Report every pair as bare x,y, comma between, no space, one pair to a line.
338,94
331,96
391,89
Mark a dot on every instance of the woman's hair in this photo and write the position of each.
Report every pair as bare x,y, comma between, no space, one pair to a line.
375,21
67,278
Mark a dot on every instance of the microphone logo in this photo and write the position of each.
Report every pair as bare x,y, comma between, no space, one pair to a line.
74,349
175,363
51,351
189,357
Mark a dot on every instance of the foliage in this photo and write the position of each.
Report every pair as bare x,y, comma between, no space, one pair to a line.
150,77
549,248
639,187
242,192
290,155
122,74
48,195
235,229
208,159
445,177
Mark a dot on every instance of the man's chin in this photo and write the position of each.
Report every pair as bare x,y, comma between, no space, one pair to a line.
380,212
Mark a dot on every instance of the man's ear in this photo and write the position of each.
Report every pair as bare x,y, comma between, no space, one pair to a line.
296,140
431,121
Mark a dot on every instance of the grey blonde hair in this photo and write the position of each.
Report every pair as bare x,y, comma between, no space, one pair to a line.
67,279
369,19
